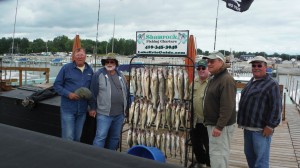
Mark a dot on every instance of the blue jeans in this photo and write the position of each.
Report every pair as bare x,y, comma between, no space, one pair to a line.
71,125
257,149
108,131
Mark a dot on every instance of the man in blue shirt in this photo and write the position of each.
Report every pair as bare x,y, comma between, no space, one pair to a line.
71,77
259,113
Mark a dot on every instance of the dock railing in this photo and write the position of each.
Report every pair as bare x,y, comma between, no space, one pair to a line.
293,88
5,70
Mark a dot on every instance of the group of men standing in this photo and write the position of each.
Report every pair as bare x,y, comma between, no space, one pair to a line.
214,101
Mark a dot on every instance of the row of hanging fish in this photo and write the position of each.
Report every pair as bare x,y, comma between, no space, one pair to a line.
172,115
170,143
160,84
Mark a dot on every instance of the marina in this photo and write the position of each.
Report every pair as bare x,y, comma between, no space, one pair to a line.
44,118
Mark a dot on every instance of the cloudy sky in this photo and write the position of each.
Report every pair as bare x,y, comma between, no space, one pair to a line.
269,25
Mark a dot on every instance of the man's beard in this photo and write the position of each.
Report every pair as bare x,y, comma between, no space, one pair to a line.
110,68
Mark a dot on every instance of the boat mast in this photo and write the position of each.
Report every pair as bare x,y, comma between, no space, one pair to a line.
13,38
112,45
216,26
97,37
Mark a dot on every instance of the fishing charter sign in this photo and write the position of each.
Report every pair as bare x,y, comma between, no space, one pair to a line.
162,43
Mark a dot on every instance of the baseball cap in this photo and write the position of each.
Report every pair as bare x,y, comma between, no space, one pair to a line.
258,59
215,55
202,63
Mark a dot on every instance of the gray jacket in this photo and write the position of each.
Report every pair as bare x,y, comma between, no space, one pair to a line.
101,89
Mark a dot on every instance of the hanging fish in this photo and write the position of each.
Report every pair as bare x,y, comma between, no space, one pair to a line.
182,116
152,138
131,112
146,83
183,148
134,137
169,115
170,85
129,138
136,113
177,145
163,143
186,85
139,139
138,82
168,145
149,114
175,76
173,112
161,87
154,87
133,82
180,83
143,137
177,116
148,138
144,114
158,116
158,141
173,144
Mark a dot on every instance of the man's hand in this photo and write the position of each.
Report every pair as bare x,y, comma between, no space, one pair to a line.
92,113
73,96
216,132
267,131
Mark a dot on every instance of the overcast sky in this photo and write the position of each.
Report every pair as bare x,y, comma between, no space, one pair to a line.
269,25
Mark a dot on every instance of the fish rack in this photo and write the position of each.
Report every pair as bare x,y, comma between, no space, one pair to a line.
171,116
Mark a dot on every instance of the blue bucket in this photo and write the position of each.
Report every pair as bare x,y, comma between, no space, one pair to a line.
147,152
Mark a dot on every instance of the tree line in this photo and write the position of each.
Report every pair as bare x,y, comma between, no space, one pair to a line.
121,46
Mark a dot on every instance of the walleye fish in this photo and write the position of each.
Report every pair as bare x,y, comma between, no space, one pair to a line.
173,114
146,83
186,85
177,145
154,87
133,82
168,145
134,137
170,85
158,116
180,83
129,138
152,138
182,116
169,115
149,114
158,141
148,138
136,113
163,117
175,74
163,143
183,149
161,87
173,150
144,114
165,75
131,112
143,137
177,117
138,82
139,139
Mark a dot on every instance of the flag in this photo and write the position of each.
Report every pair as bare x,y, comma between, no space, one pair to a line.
238,5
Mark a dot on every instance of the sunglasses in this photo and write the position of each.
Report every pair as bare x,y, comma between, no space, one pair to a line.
203,68
109,62
258,66
211,61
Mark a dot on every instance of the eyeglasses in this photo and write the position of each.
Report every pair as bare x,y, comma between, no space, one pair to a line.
258,66
109,62
211,61
201,67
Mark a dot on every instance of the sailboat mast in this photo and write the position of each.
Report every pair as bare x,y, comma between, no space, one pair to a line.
13,39
216,26
112,46
95,57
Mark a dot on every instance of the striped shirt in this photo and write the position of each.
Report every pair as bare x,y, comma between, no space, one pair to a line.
260,104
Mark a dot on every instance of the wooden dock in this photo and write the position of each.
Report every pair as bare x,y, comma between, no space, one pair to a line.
285,146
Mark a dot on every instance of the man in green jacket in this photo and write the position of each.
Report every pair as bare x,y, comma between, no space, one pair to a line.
219,110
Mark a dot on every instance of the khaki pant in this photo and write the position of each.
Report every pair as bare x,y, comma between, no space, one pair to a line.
219,147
